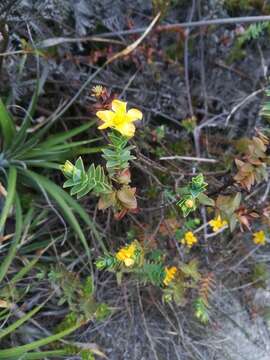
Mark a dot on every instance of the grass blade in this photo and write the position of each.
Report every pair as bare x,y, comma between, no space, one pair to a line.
41,355
57,194
22,133
20,322
13,247
7,125
85,217
58,147
43,164
64,136
57,139
15,352
11,188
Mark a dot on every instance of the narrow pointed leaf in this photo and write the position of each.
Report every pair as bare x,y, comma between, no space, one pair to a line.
11,189
7,125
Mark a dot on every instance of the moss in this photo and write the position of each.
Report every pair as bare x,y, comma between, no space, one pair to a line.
252,33
181,147
175,51
236,6
161,6
236,54
260,275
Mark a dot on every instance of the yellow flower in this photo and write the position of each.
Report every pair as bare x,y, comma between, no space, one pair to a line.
259,238
127,254
217,223
169,275
189,239
119,118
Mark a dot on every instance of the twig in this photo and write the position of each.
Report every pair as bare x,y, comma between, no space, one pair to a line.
124,52
8,7
189,158
169,27
197,131
202,63
60,40
186,63
243,102
16,52
234,268
152,344
136,43
217,232
132,78
265,195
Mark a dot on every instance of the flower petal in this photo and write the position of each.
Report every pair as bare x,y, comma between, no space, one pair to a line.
126,129
134,114
105,115
119,106
105,125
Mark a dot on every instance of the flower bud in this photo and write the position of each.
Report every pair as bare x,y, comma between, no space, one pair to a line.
189,203
129,262
68,168
124,177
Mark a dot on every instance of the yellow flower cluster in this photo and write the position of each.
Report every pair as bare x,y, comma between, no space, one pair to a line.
127,254
189,239
169,275
217,223
119,118
259,238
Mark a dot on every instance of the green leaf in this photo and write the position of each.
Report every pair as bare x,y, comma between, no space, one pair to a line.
179,292
236,201
75,206
191,270
41,355
117,154
11,328
80,187
102,312
7,125
11,189
24,270
56,193
22,133
233,222
79,164
82,182
108,262
153,273
43,164
201,310
187,204
15,241
21,350
61,137
191,193
205,200
266,106
197,185
84,191
68,183
88,286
